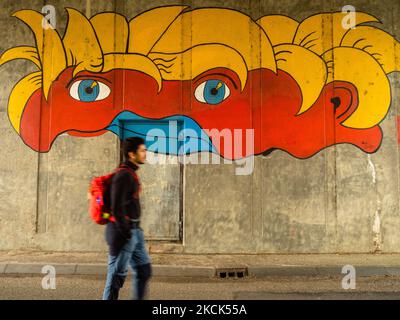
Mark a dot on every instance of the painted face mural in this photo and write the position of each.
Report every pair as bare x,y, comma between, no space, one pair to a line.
300,86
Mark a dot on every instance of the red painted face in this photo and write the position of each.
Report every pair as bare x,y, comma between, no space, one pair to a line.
268,104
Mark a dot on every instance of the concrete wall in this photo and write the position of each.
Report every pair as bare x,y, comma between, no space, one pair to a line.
340,200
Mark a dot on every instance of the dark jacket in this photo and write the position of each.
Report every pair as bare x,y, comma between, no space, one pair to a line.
123,203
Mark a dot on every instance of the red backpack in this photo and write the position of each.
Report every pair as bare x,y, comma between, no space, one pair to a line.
99,191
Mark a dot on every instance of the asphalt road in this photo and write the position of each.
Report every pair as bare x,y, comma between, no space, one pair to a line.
90,287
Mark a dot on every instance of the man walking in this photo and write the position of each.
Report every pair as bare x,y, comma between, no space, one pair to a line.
125,236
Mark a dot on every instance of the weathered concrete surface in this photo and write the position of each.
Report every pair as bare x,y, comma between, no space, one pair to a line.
340,200
18,178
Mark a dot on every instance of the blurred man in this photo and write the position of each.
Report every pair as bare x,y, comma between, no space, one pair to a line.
125,236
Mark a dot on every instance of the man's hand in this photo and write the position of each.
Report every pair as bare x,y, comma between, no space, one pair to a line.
125,231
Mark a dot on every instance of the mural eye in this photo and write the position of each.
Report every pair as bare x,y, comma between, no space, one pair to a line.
212,92
89,90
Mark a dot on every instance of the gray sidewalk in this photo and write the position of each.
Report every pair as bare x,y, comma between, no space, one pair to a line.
207,265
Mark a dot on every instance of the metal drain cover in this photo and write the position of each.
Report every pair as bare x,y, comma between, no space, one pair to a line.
229,273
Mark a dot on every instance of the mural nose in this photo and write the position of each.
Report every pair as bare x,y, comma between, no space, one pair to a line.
174,135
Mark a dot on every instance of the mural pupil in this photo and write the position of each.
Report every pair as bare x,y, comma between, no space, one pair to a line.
89,90
214,91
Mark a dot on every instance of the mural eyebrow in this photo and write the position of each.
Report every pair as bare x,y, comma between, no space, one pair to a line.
309,41
362,39
163,65
367,46
86,77
219,74
282,51
301,42
164,59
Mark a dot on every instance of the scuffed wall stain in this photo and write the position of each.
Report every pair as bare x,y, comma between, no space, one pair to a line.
302,86
376,227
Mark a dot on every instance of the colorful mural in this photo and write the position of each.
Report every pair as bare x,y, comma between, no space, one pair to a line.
302,86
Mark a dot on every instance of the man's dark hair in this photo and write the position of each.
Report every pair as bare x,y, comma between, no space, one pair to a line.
131,145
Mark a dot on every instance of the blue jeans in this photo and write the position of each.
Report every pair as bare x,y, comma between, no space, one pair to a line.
134,254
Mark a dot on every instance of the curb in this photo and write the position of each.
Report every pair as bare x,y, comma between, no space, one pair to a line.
284,271
101,269
199,272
